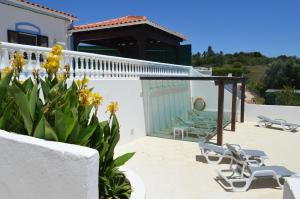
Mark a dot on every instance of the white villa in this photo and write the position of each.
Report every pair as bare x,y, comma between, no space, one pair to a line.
28,23
149,109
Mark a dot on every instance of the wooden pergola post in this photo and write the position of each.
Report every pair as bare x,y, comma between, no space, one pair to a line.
220,113
233,106
243,90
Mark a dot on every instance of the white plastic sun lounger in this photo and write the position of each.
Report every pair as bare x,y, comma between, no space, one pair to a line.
243,173
268,122
210,151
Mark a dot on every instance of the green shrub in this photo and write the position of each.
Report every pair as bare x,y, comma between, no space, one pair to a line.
224,71
49,109
237,65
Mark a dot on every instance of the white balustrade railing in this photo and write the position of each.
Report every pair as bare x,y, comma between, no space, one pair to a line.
93,65
203,71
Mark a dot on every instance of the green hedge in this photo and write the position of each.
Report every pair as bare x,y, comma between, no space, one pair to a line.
271,99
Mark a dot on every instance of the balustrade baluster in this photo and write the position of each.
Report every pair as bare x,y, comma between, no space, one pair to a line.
76,68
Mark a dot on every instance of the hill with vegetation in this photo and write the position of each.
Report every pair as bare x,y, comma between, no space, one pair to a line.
282,72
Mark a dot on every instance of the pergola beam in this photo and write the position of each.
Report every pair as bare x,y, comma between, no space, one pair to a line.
243,90
233,106
220,113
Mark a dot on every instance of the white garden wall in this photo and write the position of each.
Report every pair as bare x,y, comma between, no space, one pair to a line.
128,94
289,113
32,168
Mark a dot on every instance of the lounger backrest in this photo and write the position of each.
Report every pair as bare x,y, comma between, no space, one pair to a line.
264,118
238,159
211,147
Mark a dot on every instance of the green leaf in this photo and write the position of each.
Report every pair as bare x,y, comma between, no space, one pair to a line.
86,113
4,83
23,105
45,89
6,80
73,138
86,134
39,131
28,85
121,160
4,118
115,137
64,124
33,101
49,132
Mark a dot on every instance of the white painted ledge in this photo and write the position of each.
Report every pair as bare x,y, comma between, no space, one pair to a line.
137,184
33,168
292,188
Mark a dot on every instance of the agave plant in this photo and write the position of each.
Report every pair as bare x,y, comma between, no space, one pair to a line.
50,109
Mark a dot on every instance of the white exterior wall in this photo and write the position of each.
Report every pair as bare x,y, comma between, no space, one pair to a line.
209,92
289,113
128,93
54,28
33,168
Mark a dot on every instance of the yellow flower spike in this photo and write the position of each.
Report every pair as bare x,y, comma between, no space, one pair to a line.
97,100
57,50
18,62
85,97
60,77
113,108
5,72
52,63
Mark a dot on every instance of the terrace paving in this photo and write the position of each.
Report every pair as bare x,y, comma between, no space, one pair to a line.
169,168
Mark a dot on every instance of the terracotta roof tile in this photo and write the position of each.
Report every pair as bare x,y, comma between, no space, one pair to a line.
111,22
46,8
123,21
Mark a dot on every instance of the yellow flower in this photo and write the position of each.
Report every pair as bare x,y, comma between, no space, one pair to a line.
57,50
79,83
97,99
52,63
82,83
113,108
85,97
18,62
5,72
60,77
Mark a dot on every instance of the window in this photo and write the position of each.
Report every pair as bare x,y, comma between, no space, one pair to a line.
27,38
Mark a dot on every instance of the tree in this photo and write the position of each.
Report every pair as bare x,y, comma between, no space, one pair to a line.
196,59
286,96
210,52
281,73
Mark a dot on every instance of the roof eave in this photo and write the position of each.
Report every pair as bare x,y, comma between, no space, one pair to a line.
39,10
132,24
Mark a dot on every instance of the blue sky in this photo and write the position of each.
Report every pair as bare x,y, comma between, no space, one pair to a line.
269,26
